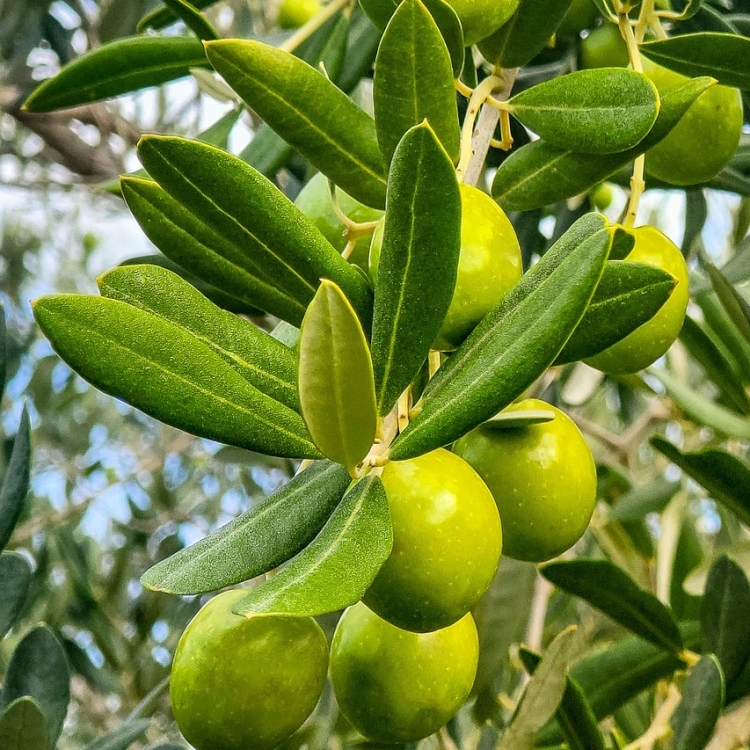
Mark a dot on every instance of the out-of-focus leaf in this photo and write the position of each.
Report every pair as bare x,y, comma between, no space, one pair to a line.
639,502
735,305
15,575
259,540
16,480
23,726
336,569
122,737
193,18
161,17
702,698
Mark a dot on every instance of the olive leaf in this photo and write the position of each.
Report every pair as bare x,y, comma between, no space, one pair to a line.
508,420
418,261
308,112
259,540
16,480
168,373
264,362
336,569
602,111
406,91
15,575
118,68
337,387
193,18
23,726
696,715
124,736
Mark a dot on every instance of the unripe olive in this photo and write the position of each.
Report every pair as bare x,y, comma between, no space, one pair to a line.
296,13
604,48
581,15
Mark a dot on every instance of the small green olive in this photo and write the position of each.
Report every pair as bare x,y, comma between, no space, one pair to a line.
604,48
296,13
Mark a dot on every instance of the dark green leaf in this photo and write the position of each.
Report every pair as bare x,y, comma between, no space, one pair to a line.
608,588
264,362
628,295
725,616
639,502
725,57
280,245
23,726
539,174
15,575
118,68
514,344
308,111
418,261
696,213
337,388
737,308
193,18
259,540
122,737
16,480
339,565
168,373
575,715
527,33
406,91
702,698
601,111
732,342
39,669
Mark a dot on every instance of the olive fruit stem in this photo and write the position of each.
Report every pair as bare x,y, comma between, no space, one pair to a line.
660,725
313,25
403,406
354,230
478,98
433,362
463,89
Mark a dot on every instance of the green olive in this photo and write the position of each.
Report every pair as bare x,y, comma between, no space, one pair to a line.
296,13
489,265
651,340
581,15
703,141
398,686
446,542
243,683
604,48
542,477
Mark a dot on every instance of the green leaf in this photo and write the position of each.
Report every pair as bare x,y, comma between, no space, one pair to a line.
337,388
575,715
118,68
725,57
539,174
279,244
526,34
737,308
198,248
406,91
259,540
717,365
543,694
514,344
193,18
264,362
39,669
513,419
725,616
16,480
697,713
418,261
15,575
168,373
601,111
628,295
308,111
610,589
732,342
122,737
339,565
161,17
640,501
23,726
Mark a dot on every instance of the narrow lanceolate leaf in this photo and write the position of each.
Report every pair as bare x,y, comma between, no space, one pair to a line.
124,736
118,68
526,34
308,112
161,17
39,668
735,305
262,360
418,261
514,344
340,564
509,420
543,693
725,57
575,715
600,111
16,480
725,477
337,389
725,616
168,373
640,501
259,540
187,240
193,18
628,295
608,588
15,575
281,246
23,726
694,719
540,174
407,91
